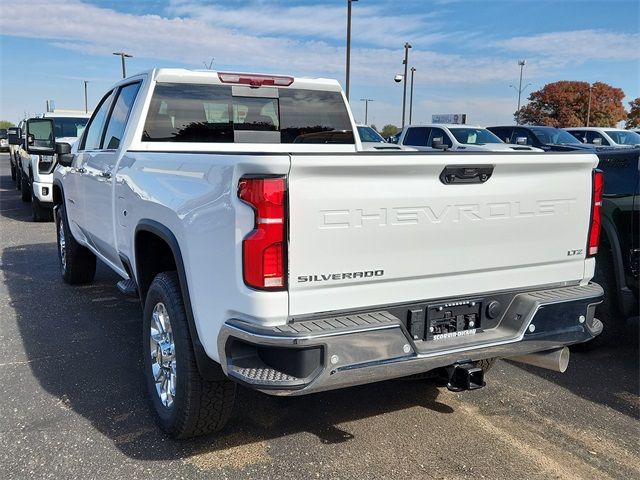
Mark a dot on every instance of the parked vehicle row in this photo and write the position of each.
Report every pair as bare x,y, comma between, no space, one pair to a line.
33,173
270,246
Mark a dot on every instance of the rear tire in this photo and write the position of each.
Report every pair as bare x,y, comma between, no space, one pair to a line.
25,188
38,212
184,403
13,172
77,262
18,178
607,312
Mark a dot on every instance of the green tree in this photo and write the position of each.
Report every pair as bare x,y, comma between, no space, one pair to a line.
566,104
389,130
6,124
633,119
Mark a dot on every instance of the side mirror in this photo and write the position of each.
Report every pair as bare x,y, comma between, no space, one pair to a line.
597,141
438,142
14,136
521,141
63,151
40,136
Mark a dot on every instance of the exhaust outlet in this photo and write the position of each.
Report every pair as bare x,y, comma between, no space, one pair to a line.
556,360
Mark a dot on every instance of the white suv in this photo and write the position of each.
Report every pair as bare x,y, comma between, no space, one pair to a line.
456,137
606,137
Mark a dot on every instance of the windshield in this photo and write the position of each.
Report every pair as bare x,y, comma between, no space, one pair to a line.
554,136
368,134
624,137
69,126
474,136
3,134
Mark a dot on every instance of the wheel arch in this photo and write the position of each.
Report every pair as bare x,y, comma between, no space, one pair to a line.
612,242
149,230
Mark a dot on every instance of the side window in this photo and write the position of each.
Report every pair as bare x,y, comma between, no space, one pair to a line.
93,133
524,133
596,138
579,134
503,133
417,136
119,116
438,133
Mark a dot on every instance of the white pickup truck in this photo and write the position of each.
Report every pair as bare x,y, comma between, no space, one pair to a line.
269,250
35,172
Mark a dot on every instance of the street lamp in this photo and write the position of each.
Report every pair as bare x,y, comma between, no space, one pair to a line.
413,71
123,56
86,106
589,106
407,46
366,109
348,67
520,89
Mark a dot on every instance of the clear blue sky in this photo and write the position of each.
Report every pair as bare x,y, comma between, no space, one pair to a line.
465,52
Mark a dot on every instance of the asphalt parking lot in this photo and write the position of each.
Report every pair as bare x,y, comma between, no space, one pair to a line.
73,406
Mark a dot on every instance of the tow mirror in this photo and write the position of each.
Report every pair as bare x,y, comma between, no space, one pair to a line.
40,137
13,135
438,142
597,141
521,141
65,157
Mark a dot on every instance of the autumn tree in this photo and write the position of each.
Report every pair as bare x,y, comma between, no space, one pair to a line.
633,119
566,104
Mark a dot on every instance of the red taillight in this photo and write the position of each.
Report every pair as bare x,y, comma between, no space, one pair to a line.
264,249
594,229
255,80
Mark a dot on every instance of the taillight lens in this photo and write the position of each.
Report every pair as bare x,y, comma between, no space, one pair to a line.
264,249
596,216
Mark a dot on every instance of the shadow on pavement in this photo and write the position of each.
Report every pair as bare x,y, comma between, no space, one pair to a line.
83,346
608,374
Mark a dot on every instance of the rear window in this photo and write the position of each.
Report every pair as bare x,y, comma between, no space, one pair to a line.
212,114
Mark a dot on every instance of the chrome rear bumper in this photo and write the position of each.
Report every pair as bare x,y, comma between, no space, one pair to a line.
332,352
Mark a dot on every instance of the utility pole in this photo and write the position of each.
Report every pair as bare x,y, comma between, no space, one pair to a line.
407,46
520,89
348,66
86,103
589,107
413,71
366,109
123,56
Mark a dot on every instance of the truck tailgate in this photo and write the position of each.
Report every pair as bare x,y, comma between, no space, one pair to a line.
378,229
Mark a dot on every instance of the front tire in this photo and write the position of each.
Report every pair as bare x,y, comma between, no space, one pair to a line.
77,262
25,188
184,403
38,212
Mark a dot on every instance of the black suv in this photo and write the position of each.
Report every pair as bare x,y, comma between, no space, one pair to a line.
617,265
550,139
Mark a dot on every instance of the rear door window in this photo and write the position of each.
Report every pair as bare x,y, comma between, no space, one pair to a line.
119,116
212,113
93,134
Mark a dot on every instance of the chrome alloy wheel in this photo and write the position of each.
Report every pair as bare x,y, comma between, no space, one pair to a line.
62,246
163,355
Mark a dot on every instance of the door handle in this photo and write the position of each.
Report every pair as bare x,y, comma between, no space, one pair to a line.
466,174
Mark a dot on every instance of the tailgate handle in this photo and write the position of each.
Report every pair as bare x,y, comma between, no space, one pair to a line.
466,174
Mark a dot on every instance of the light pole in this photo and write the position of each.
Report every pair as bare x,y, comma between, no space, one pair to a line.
348,67
413,70
86,104
589,106
520,89
366,109
407,46
123,56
